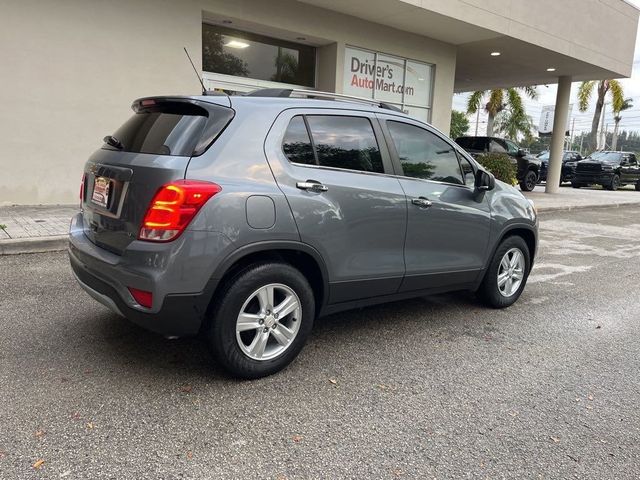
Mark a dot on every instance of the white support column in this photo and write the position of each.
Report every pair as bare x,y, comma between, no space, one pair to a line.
557,140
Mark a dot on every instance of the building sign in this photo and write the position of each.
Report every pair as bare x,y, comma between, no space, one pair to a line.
400,81
545,128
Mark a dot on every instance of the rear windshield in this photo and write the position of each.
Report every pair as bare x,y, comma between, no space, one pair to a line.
472,143
167,128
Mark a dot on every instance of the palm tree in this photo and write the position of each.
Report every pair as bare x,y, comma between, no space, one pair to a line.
499,99
513,124
613,87
626,105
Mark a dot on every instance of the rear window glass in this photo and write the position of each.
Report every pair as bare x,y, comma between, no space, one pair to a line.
165,129
297,144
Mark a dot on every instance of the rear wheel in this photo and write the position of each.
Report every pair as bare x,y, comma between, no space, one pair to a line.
507,275
614,184
529,181
638,186
576,185
262,320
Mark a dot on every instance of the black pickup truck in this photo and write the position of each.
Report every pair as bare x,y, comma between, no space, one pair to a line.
528,166
609,169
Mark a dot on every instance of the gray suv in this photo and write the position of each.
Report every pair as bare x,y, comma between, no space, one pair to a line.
245,218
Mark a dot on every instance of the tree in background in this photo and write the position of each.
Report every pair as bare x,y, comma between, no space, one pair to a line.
626,105
459,124
215,59
514,124
499,100
613,88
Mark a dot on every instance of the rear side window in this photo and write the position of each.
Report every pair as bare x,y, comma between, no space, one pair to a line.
345,142
171,128
473,143
297,144
425,155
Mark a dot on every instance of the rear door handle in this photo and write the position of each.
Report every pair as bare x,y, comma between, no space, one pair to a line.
422,202
312,186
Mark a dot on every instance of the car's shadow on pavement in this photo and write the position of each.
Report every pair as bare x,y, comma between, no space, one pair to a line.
125,346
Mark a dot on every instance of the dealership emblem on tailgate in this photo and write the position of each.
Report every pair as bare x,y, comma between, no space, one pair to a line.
100,194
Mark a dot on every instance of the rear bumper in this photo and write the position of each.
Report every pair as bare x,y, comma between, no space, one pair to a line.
180,315
567,174
180,280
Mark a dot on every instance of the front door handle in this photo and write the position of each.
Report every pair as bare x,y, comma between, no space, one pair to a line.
312,186
422,202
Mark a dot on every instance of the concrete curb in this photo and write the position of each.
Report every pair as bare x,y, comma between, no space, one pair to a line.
569,208
14,246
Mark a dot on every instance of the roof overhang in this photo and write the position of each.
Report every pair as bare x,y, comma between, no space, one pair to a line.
585,39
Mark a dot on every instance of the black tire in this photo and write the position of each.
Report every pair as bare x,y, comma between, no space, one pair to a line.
614,184
221,333
576,185
638,186
489,293
529,181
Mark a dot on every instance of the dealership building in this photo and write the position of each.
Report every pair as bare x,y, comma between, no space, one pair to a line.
71,68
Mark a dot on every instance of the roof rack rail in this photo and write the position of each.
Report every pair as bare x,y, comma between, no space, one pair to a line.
289,92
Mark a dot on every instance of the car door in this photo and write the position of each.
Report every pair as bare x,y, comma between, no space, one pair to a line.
629,172
448,222
344,196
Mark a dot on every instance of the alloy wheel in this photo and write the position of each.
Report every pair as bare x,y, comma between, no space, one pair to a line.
268,322
511,272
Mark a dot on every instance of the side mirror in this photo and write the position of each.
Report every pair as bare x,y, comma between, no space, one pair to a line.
484,181
521,153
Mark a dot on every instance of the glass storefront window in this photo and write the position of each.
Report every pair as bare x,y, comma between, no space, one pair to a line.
244,54
395,80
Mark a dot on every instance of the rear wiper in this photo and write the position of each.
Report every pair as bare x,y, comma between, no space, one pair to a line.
113,141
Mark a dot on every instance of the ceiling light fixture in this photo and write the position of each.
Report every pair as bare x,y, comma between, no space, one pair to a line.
495,54
551,69
236,44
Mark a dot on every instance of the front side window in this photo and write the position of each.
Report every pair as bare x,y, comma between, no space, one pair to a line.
512,148
297,144
496,147
345,142
467,172
424,154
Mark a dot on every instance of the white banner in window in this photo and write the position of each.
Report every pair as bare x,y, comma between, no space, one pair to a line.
546,120
386,77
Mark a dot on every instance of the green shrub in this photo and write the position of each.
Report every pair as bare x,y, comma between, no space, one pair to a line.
500,165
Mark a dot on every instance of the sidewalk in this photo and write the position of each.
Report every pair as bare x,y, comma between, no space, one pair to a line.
30,229
43,228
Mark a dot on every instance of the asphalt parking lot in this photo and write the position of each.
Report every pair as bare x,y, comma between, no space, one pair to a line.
436,387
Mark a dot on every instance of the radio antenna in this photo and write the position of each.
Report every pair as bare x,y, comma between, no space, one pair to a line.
204,90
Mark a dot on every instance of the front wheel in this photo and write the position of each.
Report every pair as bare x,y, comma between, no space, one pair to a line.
614,184
576,185
529,181
638,186
507,274
262,320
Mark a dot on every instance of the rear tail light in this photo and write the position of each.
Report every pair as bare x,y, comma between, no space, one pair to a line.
142,297
173,207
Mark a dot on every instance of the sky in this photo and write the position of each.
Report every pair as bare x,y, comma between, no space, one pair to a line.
547,96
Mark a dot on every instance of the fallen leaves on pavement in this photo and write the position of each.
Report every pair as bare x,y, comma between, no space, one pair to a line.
38,464
297,438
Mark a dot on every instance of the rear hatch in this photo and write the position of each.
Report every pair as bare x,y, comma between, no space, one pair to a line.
152,148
